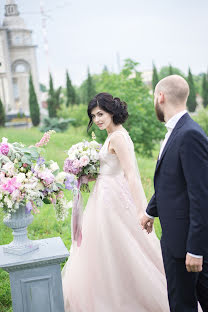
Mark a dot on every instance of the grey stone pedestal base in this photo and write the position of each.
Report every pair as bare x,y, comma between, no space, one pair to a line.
35,277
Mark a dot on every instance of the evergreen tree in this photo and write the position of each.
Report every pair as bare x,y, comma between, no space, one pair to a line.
2,114
51,107
70,91
53,99
170,70
33,103
155,78
91,92
205,90
191,102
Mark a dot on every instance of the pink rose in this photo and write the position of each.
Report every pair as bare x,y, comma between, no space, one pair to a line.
76,163
4,149
84,161
46,176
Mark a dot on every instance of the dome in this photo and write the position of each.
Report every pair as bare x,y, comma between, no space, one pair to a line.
14,22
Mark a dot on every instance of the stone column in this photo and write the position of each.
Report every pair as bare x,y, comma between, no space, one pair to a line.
35,277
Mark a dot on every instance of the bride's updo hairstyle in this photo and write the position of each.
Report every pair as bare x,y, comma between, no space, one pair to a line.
113,106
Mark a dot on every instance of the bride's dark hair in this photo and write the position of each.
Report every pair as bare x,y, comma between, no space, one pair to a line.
113,106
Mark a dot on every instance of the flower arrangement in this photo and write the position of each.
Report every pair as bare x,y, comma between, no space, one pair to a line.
83,161
27,178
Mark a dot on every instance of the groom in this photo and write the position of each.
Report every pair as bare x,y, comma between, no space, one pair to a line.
181,198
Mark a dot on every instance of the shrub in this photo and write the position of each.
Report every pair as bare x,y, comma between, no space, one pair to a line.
202,119
76,112
2,115
59,125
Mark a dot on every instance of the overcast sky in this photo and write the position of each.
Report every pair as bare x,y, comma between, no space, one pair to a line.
92,33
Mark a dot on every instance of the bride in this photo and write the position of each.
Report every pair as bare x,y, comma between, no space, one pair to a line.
117,268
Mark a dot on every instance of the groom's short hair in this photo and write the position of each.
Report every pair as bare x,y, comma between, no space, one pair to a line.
175,88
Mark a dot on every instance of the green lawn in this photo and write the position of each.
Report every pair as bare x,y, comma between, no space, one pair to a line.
45,224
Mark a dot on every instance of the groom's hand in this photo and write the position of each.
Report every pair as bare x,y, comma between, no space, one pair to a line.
147,223
193,264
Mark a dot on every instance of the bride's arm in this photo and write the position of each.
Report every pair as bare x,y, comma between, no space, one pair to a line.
127,161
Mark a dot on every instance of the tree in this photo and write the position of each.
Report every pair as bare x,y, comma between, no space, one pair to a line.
170,70
33,103
70,91
2,114
54,99
91,92
142,124
191,102
205,90
155,78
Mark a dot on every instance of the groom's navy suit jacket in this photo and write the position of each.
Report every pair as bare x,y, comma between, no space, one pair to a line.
181,190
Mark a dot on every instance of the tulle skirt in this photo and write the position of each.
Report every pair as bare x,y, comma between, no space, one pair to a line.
118,267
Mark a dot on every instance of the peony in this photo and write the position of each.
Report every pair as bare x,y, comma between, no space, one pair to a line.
9,168
47,176
11,185
4,149
84,161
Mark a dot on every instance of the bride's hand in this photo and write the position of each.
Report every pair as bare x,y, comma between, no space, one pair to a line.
87,178
147,223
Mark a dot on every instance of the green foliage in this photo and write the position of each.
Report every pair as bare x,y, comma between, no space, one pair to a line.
142,124
155,77
43,88
191,102
78,113
2,114
54,99
87,90
202,119
59,125
205,90
33,103
91,92
70,91
170,70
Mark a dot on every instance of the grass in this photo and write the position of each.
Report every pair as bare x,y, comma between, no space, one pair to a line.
45,224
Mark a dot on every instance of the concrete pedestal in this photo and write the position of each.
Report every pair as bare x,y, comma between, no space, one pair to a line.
35,277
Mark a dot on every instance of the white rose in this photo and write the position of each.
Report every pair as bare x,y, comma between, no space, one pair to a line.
21,177
39,186
54,166
60,177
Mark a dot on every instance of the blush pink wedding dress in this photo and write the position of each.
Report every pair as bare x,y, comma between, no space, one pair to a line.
118,267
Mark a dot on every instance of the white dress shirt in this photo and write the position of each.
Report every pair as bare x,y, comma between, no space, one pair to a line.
170,125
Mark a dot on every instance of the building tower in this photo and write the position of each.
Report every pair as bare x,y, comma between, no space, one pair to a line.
17,60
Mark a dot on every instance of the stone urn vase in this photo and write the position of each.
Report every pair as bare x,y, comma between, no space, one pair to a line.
19,222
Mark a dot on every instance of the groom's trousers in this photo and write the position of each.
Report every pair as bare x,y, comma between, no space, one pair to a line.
184,289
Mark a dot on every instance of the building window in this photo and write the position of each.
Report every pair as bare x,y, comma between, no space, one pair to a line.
20,67
15,89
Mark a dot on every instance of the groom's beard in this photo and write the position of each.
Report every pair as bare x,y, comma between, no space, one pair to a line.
159,112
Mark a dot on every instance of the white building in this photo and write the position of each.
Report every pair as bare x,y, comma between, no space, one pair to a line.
17,60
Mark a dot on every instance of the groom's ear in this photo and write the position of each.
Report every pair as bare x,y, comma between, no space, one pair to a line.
161,98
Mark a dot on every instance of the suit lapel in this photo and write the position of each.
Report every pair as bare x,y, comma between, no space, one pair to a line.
179,124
